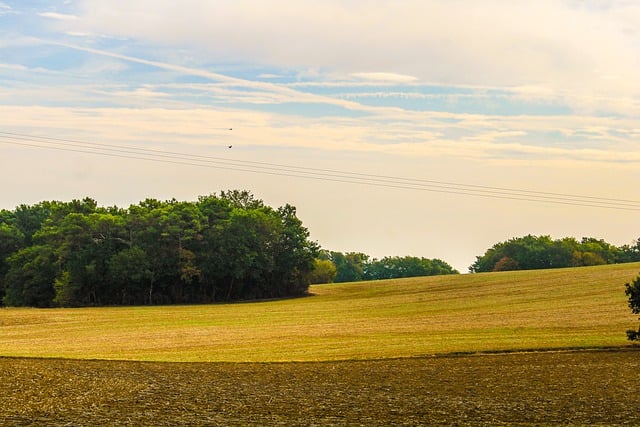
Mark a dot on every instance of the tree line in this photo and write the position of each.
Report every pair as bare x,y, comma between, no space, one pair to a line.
538,252
338,267
219,248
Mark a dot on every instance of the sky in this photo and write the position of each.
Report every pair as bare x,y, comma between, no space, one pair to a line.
425,128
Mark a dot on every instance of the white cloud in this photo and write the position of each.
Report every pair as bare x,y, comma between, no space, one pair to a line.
385,77
18,67
58,16
78,34
269,76
5,9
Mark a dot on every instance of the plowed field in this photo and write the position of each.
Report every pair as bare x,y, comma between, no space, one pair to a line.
557,388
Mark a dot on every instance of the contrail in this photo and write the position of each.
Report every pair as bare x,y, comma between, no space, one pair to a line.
270,87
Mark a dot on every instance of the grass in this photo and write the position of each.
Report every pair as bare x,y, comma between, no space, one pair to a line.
526,310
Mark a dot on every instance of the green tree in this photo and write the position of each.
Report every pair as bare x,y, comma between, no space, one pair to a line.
159,229
241,199
440,267
598,252
244,253
632,290
129,274
216,213
324,271
29,219
407,266
535,252
181,224
11,240
294,254
214,209
30,278
227,247
629,253
350,266
70,238
83,244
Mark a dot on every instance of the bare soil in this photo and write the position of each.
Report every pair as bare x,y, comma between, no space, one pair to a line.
543,388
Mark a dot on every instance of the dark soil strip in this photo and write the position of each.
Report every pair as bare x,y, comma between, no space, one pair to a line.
567,388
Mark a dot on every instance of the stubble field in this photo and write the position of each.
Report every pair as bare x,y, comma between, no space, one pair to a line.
523,310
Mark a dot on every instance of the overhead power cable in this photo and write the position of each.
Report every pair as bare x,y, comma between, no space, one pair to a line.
130,152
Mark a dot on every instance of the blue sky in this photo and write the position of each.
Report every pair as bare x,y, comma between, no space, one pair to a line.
530,96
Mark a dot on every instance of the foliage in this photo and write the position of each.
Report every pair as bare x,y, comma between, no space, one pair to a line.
408,266
324,271
32,283
539,252
11,240
632,290
356,266
349,266
225,247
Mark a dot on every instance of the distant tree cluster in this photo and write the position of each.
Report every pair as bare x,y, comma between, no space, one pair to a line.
220,248
537,252
339,267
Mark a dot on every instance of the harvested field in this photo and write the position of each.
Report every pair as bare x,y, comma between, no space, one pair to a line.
567,388
523,310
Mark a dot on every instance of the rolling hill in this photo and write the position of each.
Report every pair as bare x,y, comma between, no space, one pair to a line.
490,312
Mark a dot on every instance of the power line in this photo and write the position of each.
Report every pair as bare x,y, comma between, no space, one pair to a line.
123,151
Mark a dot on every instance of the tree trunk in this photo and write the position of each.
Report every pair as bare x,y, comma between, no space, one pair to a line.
229,290
150,292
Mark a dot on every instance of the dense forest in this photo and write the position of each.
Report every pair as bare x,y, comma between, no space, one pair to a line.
537,252
218,248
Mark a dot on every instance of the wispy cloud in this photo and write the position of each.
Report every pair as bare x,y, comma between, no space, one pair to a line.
58,16
385,77
5,9
269,76
557,46
288,94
